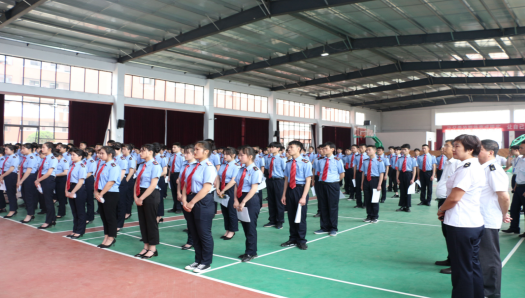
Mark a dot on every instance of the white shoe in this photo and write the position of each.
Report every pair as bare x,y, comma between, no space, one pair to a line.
202,268
192,266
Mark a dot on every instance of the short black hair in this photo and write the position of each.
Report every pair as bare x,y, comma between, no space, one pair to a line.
329,144
407,146
371,146
449,141
391,147
275,145
399,148
424,145
417,149
490,145
469,142
380,147
354,145
83,142
515,147
176,144
362,145
297,143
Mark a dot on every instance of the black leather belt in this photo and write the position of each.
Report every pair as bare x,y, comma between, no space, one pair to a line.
275,178
322,182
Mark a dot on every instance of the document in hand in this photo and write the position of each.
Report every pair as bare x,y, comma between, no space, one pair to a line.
298,214
341,195
418,183
353,182
313,192
40,189
262,185
2,186
243,215
376,195
411,189
223,201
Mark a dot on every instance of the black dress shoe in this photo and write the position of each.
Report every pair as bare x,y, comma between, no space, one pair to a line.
446,271
3,210
9,216
229,238
139,255
421,203
42,212
108,246
510,231
32,217
97,213
76,237
178,211
522,235
186,247
155,254
302,246
400,209
48,226
317,215
242,256
171,211
395,196
443,263
69,236
22,205
185,230
161,220
407,209
248,258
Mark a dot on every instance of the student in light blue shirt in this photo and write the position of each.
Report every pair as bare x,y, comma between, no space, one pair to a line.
147,197
225,185
406,175
163,186
9,170
107,182
60,183
175,163
26,179
46,180
122,163
275,186
89,183
373,174
131,167
426,172
380,154
75,190
358,164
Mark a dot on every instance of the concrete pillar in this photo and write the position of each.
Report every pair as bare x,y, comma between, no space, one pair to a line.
319,127
209,114
117,110
272,111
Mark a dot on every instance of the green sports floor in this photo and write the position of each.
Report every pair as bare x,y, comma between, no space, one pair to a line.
393,258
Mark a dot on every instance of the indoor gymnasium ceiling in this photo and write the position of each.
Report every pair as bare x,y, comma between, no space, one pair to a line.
382,54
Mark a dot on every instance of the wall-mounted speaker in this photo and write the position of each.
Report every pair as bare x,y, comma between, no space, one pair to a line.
367,122
121,123
276,134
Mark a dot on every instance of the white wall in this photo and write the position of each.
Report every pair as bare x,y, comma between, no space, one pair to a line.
414,138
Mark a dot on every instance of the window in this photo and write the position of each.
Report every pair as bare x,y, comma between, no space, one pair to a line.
161,90
33,119
480,117
519,116
294,131
240,101
36,73
359,118
336,115
295,109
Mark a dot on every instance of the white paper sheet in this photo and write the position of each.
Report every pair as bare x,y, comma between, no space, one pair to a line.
19,189
376,195
166,179
74,196
2,186
298,214
243,215
313,192
223,201
262,185
411,189
135,175
341,195
353,181
39,188
169,185
418,183
102,200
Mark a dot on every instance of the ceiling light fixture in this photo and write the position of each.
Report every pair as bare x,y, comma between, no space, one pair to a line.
324,53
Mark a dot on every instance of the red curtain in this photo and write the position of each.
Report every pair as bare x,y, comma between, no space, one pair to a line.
506,142
340,136
256,132
228,131
328,134
439,139
185,128
88,122
144,126
2,98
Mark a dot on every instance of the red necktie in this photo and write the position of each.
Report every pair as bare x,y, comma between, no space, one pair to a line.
361,162
396,161
21,168
346,166
352,162
39,169
271,168
405,164
241,182
137,187
441,163
183,177
188,185
293,172
325,170
173,163
98,176
98,164
223,178
69,177
369,172
425,163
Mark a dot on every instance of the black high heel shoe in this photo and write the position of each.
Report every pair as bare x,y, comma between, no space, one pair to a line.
229,238
48,226
139,255
3,210
32,217
108,246
161,220
155,254
76,237
186,247
9,216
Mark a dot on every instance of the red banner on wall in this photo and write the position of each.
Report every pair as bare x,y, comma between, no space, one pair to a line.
503,127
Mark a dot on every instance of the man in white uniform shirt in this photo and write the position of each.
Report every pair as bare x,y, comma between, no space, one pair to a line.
441,194
495,202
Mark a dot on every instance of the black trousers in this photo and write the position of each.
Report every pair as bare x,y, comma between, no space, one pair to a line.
60,192
129,195
358,198
392,181
173,183
517,200
2,200
10,186
463,247
513,181
48,185
329,204
438,174
489,257
443,228
297,230
383,191
317,192
189,240
405,200
426,187
77,209
90,198
250,228
121,207
372,209
29,194
349,186
275,188
147,213
108,213
163,193
199,225
231,223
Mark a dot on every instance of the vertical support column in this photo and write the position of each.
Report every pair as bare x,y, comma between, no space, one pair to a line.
272,111
512,133
319,125
117,110
209,114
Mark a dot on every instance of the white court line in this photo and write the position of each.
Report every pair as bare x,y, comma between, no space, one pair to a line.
17,221
512,252
210,270
189,272
380,220
337,280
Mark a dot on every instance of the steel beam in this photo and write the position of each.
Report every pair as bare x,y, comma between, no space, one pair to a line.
456,100
428,82
17,11
351,44
254,14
